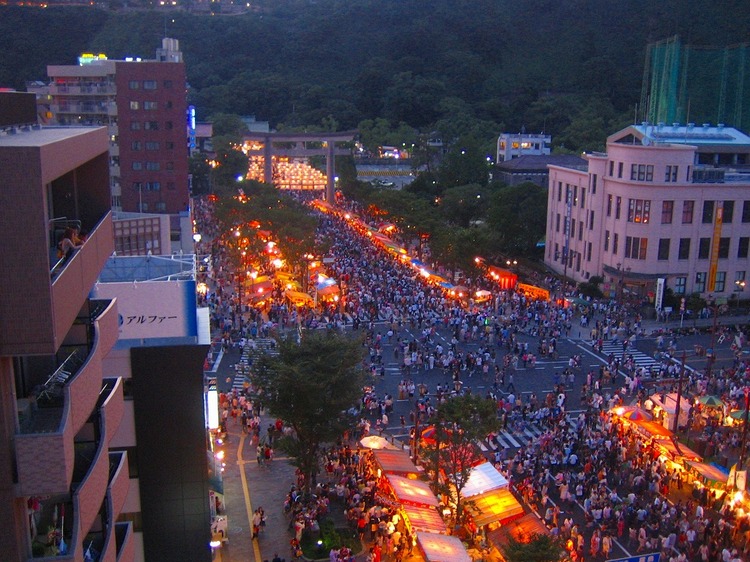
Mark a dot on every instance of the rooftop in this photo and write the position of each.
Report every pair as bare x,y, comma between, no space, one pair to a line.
35,136
692,134
121,269
539,162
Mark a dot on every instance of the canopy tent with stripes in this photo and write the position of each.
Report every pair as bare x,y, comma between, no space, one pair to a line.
395,462
442,548
412,492
424,519
496,505
483,478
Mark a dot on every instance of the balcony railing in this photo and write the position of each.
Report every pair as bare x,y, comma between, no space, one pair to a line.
52,471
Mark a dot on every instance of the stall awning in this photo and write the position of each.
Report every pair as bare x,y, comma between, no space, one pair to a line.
652,429
506,279
522,530
413,492
298,296
442,548
424,519
709,472
496,505
483,478
395,462
669,404
533,291
669,447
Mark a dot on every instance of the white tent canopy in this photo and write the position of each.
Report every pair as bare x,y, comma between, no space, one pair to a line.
483,478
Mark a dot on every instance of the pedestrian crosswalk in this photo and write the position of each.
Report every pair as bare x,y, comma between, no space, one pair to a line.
610,347
510,438
250,353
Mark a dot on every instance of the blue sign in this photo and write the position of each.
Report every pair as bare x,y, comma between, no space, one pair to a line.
642,558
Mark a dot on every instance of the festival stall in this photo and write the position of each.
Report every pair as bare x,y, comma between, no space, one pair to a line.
395,462
650,429
495,506
442,548
506,279
377,442
298,298
676,451
409,491
533,292
664,409
483,478
423,519
708,474
521,530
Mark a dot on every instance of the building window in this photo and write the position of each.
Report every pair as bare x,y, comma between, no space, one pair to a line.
557,223
134,84
635,248
583,197
168,105
559,191
606,240
588,256
580,230
641,172
727,214
687,212
721,281
704,247
739,282
683,252
153,186
137,165
663,249
742,247
680,285
135,105
611,168
161,206
639,210
615,242
700,282
150,105
575,195
618,207
167,84
169,145
135,145
151,125
153,166
708,212
168,125
670,176
723,248
170,185
746,211
149,84
591,221
137,186
144,206
593,184
609,205
170,166
619,169
135,125
152,145
667,209
572,228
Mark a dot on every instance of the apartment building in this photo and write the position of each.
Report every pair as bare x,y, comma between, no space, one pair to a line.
664,201
143,104
62,487
513,145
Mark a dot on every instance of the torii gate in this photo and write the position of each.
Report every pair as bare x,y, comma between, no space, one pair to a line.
295,145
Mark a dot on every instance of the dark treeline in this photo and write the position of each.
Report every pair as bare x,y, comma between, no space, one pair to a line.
571,68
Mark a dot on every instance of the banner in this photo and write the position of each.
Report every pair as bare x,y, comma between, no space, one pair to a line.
659,293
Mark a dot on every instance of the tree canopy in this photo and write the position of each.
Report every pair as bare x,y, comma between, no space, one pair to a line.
314,386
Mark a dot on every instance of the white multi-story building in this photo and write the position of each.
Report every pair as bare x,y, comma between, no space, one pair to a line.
664,201
513,145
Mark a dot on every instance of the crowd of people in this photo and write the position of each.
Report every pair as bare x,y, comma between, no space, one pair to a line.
627,494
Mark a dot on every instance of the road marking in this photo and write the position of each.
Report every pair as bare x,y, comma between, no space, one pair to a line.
246,494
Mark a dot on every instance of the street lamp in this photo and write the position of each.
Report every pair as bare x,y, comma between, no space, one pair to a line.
511,263
739,287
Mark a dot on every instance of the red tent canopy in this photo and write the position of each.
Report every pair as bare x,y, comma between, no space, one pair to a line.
506,279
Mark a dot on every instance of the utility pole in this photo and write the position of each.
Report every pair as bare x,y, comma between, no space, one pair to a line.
712,359
676,424
741,460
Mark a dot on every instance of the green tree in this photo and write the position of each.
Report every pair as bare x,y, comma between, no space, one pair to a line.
459,422
464,205
314,386
517,216
228,125
200,172
541,548
466,163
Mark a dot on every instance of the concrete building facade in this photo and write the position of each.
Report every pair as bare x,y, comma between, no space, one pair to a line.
664,201
143,104
513,145
61,485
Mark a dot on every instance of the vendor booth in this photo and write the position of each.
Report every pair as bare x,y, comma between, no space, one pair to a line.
423,519
506,279
677,451
495,506
442,548
708,474
664,410
395,462
651,429
483,478
299,298
412,492
521,530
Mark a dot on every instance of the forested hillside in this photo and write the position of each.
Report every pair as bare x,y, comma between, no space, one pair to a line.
457,66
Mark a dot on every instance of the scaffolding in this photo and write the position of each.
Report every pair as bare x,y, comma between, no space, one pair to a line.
686,83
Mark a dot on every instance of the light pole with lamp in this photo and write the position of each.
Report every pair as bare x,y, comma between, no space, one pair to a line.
739,287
